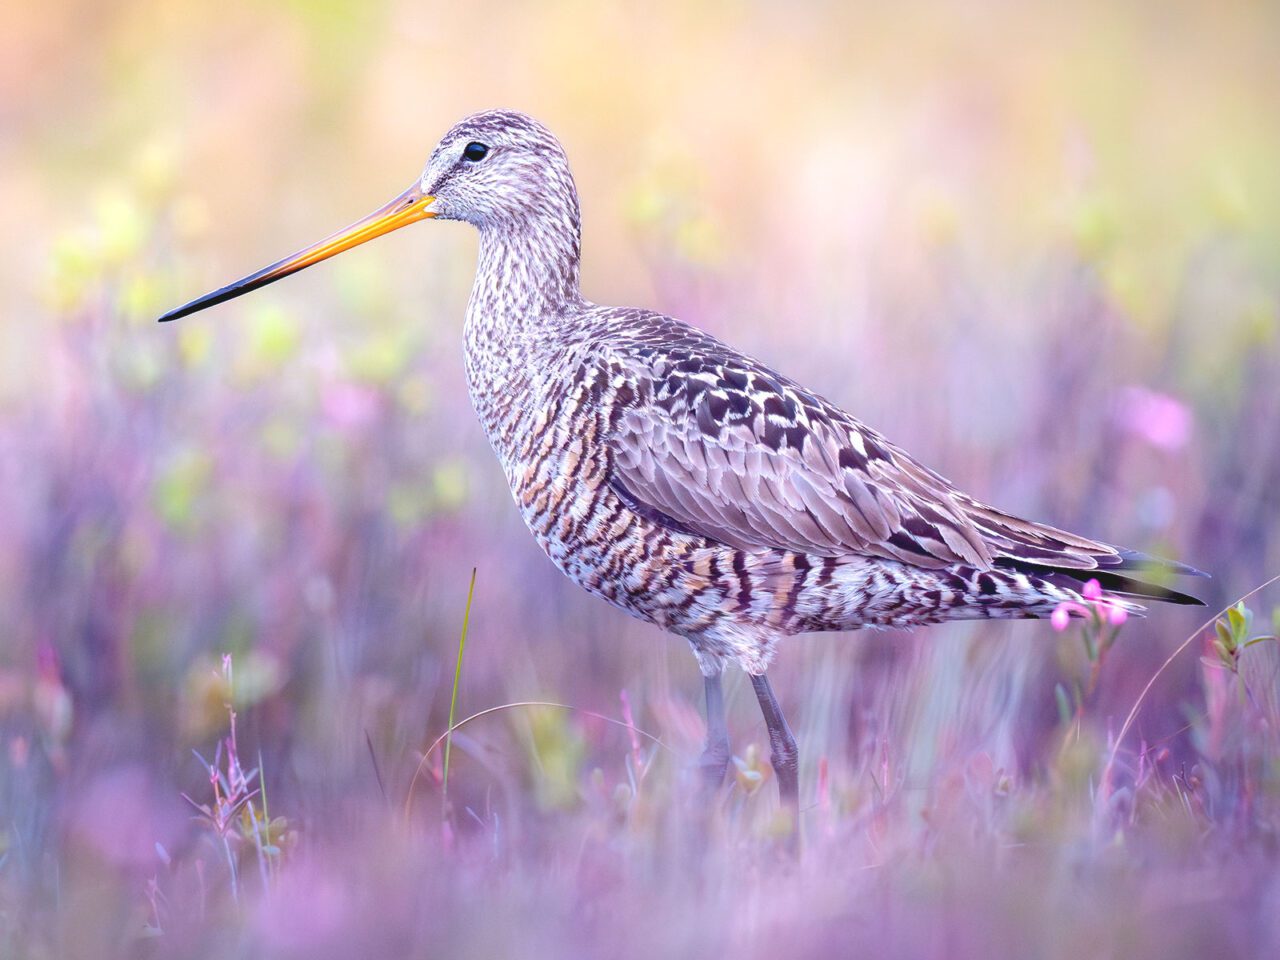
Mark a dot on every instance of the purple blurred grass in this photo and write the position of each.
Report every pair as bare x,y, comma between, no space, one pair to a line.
316,526
297,482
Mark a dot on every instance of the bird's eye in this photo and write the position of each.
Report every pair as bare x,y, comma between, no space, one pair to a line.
475,152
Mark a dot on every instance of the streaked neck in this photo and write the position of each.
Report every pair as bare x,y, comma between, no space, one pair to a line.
527,272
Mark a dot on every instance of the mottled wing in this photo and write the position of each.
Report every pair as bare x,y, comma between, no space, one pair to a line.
710,442
718,445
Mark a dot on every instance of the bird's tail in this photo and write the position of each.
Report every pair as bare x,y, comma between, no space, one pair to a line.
854,592
1016,591
1132,576
890,594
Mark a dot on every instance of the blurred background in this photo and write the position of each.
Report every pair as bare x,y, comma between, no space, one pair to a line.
1037,245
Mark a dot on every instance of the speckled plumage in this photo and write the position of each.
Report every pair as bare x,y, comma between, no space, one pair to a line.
696,488
688,483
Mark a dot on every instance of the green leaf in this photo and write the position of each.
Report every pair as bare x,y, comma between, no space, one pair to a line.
1239,619
457,680
1250,643
1226,639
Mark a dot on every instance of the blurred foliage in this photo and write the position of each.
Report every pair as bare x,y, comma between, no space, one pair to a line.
557,751
1037,245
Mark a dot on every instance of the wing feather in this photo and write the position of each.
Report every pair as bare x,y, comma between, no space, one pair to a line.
743,456
723,447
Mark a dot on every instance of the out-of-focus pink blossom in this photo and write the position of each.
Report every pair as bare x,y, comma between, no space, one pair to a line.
1158,418
1095,601
349,406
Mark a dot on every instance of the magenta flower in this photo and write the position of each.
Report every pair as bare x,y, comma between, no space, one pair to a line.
350,407
1161,420
1096,603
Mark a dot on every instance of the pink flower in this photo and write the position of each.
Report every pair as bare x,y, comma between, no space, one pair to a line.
1159,419
349,406
1095,603
1061,617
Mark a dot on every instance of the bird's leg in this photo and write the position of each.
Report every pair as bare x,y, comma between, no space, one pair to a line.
715,757
783,753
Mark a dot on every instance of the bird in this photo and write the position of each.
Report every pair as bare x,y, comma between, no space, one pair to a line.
690,484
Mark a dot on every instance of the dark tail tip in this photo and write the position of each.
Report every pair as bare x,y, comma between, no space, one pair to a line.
1137,560
1121,586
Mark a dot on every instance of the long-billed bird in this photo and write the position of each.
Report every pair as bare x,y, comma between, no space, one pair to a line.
688,483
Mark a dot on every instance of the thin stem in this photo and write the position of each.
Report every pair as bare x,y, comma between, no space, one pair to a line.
457,680
408,800
1105,783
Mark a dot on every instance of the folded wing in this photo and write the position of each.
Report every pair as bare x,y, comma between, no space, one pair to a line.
717,445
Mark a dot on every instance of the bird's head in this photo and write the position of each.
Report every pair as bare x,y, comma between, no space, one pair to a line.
499,170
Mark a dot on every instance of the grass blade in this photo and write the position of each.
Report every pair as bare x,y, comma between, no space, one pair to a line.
453,698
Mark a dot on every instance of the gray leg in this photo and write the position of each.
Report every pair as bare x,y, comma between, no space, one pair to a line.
783,753
715,758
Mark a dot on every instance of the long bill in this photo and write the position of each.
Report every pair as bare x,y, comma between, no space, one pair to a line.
410,207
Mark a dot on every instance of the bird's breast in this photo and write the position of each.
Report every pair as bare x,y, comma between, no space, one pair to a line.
549,416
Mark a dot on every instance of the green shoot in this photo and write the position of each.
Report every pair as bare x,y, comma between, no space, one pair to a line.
457,680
